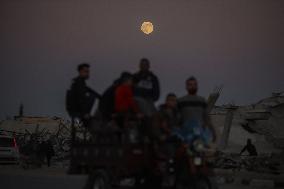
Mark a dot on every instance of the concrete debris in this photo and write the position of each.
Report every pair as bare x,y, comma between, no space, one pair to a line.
270,164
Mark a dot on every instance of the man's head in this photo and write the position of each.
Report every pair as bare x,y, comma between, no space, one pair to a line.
171,100
249,141
144,65
84,70
192,86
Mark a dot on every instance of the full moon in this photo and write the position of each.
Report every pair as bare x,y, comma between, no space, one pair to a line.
147,27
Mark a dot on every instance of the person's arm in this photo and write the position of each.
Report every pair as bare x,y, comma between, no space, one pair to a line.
209,124
95,93
78,88
179,111
212,128
118,100
132,102
243,150
156,88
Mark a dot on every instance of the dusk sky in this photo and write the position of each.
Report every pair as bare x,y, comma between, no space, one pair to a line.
235,43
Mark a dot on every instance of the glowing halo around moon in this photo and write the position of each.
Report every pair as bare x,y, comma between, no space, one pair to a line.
147,27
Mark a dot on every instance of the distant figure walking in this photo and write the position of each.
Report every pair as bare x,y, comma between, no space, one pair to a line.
250,148
41,151
49,152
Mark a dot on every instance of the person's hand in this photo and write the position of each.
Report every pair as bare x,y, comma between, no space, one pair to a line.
163,138
212,147
140,115
113,116
87,116
214,139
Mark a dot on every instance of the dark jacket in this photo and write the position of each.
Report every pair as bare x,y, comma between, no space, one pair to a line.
83,97
107,102
171,116
49,149
147,86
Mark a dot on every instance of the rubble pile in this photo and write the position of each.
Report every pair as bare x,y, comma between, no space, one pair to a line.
266,163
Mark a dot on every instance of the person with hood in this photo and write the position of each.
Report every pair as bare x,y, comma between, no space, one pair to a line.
107,102
125,104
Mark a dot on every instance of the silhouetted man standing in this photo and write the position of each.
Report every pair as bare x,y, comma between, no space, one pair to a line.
147,87
79,102
49,152
81,98
147,83
193,108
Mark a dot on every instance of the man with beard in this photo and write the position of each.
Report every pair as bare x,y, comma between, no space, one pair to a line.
81,98
194,114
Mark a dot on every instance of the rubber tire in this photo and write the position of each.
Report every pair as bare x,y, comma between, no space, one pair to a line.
203,183
194,183
98,180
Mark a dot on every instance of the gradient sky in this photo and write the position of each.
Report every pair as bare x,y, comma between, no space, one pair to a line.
237,43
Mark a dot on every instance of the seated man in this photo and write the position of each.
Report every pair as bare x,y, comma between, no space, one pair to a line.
250,148
166,119
169,113
163,123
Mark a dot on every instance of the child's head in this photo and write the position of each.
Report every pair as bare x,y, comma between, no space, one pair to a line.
171,100
127,78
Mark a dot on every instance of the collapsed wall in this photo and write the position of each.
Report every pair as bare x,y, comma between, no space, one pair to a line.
262,122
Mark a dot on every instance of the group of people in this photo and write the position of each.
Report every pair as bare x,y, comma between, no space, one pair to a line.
134,95
40,151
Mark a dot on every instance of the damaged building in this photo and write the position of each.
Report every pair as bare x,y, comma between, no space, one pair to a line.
262,122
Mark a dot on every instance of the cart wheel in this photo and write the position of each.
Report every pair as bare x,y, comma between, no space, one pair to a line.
196,183
203,183
98,180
